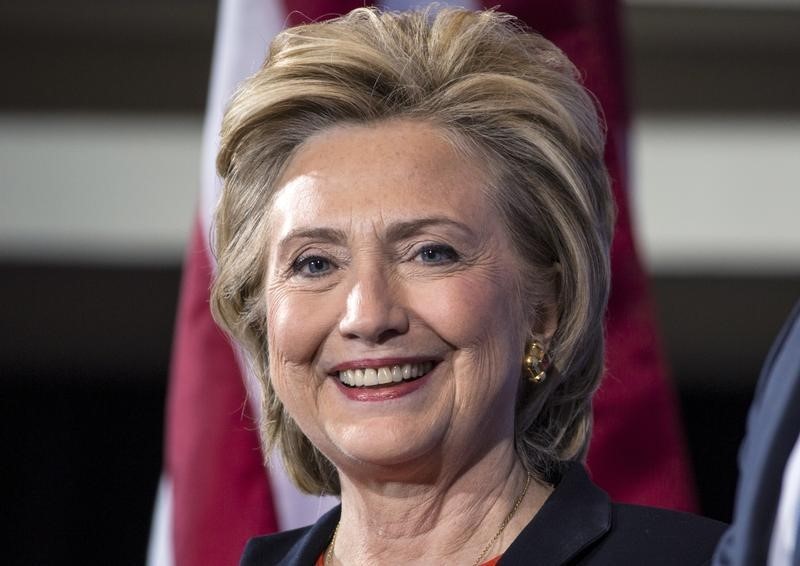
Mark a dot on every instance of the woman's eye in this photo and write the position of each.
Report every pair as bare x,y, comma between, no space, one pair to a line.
312,266
437,254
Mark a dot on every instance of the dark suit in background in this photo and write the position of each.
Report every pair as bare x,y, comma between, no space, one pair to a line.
773,426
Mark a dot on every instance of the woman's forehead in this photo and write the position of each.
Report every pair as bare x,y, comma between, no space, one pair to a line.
397,171
405,148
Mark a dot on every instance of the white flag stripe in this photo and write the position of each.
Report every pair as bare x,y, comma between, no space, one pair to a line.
159,551
244,31
294,509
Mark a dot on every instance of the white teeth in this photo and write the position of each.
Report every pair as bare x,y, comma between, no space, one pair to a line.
347,377
370,377
383,375
397,374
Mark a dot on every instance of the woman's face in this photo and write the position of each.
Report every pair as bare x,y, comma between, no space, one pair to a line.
395,330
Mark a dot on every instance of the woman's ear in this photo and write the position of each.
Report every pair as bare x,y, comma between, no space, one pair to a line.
545,315
545,323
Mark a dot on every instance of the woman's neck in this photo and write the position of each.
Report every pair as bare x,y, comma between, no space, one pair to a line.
447,521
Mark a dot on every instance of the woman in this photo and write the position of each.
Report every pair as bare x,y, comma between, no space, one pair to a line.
413,250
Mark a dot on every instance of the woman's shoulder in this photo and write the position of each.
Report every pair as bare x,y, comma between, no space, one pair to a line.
624,534
653,536
580,526
632,519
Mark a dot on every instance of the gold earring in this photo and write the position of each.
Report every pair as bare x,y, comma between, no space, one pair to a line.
536,362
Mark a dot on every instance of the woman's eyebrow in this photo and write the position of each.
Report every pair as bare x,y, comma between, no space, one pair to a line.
395,232
406,229
309,233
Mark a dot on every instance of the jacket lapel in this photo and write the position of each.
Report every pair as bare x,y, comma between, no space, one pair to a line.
576,514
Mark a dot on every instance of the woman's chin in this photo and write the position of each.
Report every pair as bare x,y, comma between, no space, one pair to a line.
390,443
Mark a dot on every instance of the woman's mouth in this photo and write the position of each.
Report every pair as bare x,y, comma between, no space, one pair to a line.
372,377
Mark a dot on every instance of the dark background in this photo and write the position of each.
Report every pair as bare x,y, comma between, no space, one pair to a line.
84,348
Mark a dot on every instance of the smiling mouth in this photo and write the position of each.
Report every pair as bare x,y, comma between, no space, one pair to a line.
372,377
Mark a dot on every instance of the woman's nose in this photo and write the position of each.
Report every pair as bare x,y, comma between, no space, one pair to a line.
373,312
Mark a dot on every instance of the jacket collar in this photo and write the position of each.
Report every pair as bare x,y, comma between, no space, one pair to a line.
576,514
314,542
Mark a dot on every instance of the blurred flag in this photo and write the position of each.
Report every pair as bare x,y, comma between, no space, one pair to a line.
215,493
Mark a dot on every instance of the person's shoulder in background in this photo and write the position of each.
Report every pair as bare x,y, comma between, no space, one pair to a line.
760,534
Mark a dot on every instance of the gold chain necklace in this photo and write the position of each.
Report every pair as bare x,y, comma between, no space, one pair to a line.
489,545
329,552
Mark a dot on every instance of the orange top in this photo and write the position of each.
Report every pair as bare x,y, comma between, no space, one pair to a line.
493,562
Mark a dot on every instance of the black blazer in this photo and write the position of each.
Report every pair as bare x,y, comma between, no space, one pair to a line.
577,525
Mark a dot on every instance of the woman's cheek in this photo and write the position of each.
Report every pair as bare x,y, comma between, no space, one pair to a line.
295,332
298,324
476,316
465,309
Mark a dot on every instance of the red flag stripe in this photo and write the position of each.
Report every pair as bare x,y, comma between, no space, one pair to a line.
213,454
637,452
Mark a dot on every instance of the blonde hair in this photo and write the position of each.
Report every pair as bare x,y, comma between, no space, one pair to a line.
503,94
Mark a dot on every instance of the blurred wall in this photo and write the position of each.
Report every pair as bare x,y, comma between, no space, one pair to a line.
100,123
99,135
